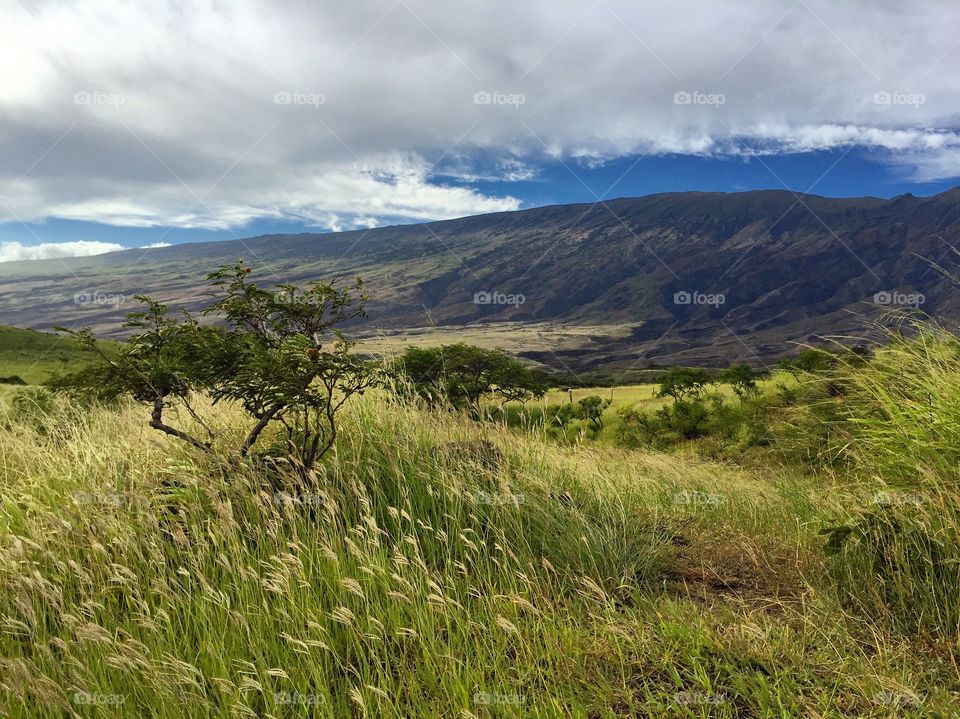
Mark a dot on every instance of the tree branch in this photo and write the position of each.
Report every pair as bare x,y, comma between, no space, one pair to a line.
259,427
156,421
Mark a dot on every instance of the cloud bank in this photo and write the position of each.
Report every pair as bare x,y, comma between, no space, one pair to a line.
13,251
346,115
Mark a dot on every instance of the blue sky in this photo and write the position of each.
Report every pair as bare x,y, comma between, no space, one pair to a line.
130,124
830,173
836,173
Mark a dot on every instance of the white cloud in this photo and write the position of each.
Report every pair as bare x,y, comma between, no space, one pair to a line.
13,251
152,114
471,169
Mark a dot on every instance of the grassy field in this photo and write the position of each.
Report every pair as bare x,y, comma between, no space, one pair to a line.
641,397
645,394
141,579
513,337
37,357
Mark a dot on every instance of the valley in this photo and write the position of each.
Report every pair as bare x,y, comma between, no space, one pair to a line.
616,285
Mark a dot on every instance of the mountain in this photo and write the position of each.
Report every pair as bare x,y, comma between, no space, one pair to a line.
697,278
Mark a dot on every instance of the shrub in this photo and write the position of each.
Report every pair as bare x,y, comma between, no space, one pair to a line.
592,408
682,382
740,378
34,407
669,425
812,360
687,418
635,428
465,376
278,354
732,427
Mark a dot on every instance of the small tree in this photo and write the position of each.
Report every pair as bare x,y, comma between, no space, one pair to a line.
464,375
278,354
683,382
740,378
591,408
811,360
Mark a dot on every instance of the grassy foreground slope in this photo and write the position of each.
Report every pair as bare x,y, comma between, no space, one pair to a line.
36,357
140,580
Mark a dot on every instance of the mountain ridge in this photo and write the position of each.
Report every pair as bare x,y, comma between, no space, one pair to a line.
781,267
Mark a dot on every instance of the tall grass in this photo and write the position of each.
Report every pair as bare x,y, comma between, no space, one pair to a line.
133,576
138,578
890,427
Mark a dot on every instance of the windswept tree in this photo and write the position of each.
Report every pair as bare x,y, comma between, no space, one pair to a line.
464,375
682,383
741,380
277,353
592,408
810,361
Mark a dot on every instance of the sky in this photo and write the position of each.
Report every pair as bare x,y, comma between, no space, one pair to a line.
129,124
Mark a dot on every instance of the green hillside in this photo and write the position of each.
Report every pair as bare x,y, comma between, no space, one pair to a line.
36,357
591,290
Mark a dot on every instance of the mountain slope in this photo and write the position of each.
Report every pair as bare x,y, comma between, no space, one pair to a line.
787,268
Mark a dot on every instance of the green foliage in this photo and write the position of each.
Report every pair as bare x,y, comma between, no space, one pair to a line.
889,417
810,361
741,380
278,354
901,560
683,382
592,408
717,426
34,407
636,428
694,415
564,414
567,423
464,376
686,418
679,421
